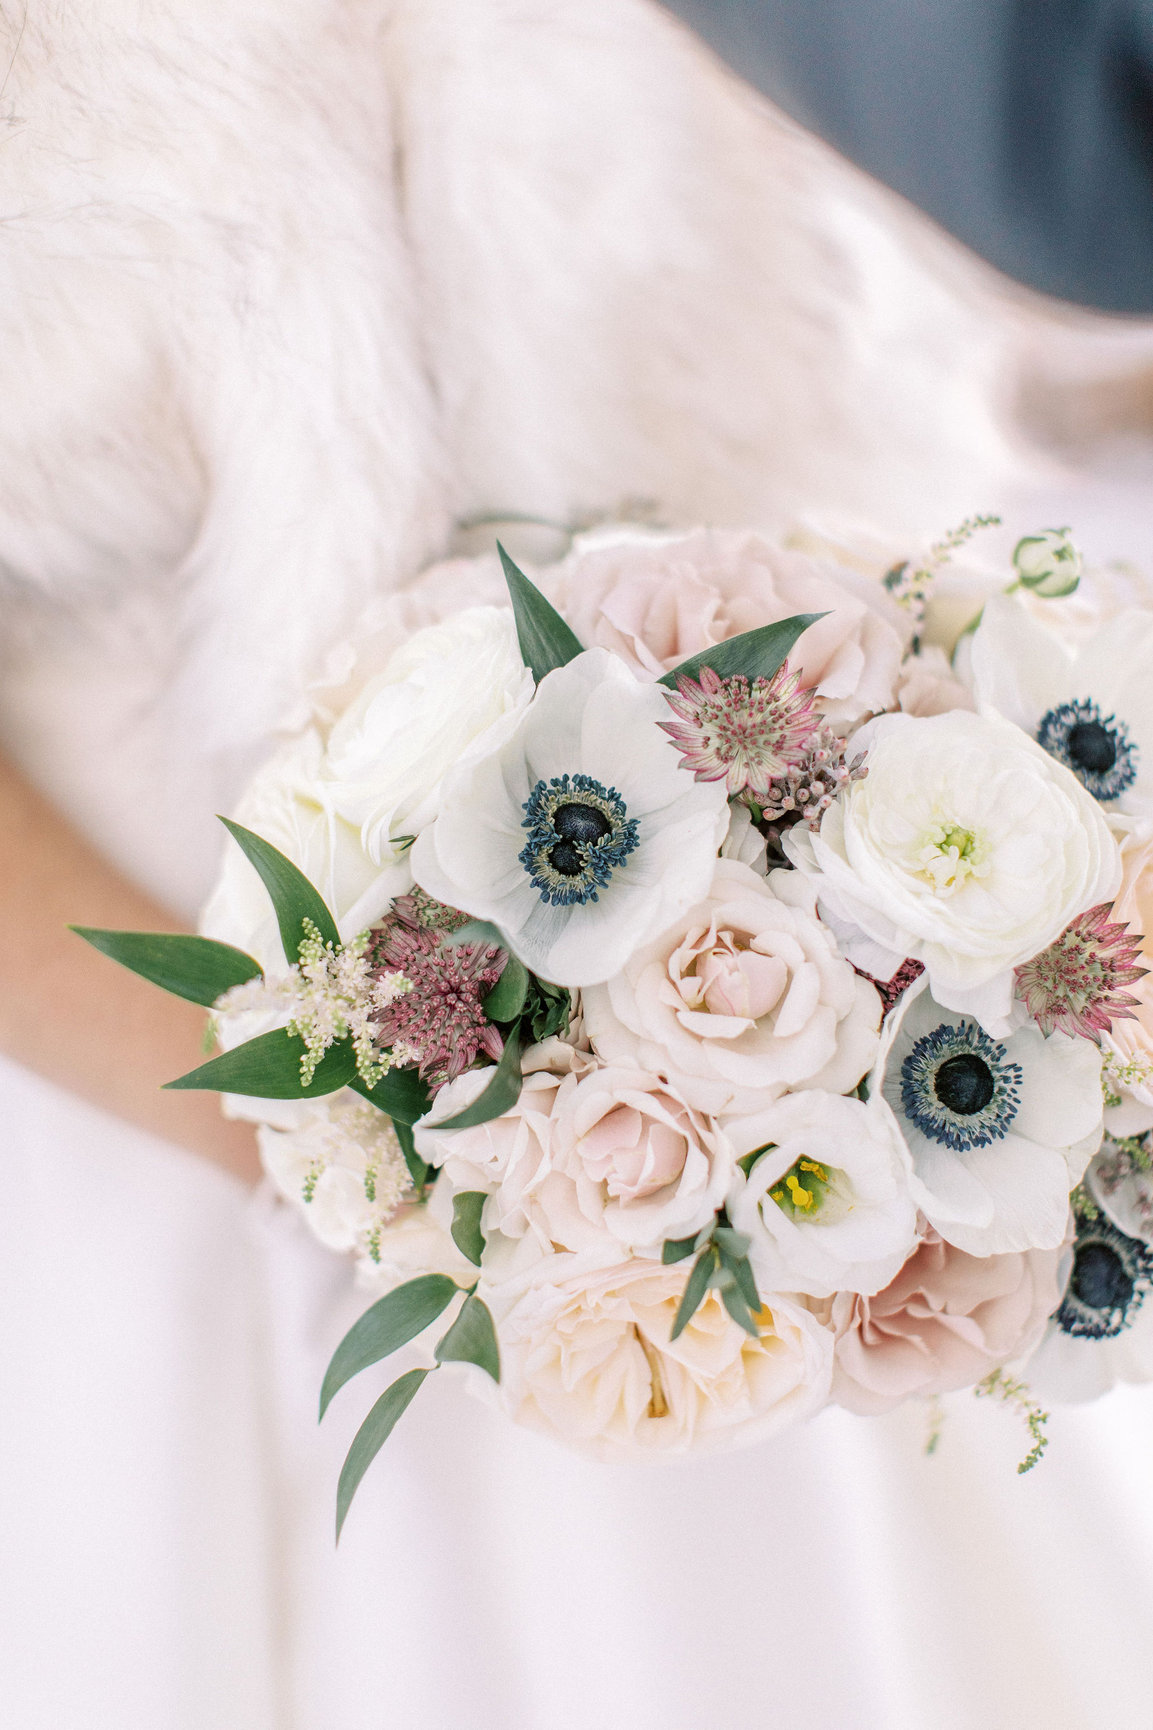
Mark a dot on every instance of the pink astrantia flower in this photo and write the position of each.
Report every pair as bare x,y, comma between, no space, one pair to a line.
745,734
441,1021
1074,986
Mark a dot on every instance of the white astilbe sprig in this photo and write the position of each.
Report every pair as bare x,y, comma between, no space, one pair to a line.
330,994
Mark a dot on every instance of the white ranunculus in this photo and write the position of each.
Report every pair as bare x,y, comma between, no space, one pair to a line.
828,1203
999,1130
587,1358
967,847
586,1160
447,696
1091,708
743,997
580,836
281,804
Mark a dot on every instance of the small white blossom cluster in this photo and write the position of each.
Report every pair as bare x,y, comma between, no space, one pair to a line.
851,960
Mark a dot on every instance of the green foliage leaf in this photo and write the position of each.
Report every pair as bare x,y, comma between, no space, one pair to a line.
678,1248
732,1243
506,999
548,1009
696,1286
499,1096
191,967
746,1283
400,1094
293,896
371,1437
390,1323
734,1302
546,642
472,1339
757,654
268,1067
467,1208
418,1169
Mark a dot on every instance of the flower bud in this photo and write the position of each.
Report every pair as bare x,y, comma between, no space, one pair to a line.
1048,563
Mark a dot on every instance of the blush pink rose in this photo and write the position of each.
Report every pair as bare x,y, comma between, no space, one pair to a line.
656,600
945,1321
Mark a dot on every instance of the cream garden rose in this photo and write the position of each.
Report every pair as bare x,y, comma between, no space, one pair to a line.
967,848
740,1000
588,1360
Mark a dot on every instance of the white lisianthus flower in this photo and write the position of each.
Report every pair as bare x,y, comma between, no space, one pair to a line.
587,1358
742,998
967,848
580,836
586,1161
446,697
999,1130
1091,709
828,1203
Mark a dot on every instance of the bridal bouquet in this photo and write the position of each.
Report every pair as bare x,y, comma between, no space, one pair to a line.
694,996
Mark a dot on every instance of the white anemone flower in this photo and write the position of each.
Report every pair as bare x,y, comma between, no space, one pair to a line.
827,1204
1102,1331
967,848
1090,708
581,836
1000,1130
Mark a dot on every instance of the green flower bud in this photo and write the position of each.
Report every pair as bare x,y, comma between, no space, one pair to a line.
1048,563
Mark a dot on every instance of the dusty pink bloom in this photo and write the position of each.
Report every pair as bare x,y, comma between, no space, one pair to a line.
656,600
1074,986
442,1018
945,1321
807,788
745,735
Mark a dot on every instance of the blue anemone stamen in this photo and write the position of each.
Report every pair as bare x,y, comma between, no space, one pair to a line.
958,1087
1096,747
579,834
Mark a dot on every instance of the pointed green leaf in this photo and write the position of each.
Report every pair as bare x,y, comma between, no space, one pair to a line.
746,1284
696,1286
734,1243
371,1437
546,642
268,1067
678,1249
471,1339
390,1323
734,1302
293,896
499,1096
506,999
400,1094
418,1169
757,654
467,1208
191,967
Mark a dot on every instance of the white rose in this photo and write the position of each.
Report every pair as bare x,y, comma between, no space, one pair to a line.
743,998
587,1358
449,695
967,848
827,1204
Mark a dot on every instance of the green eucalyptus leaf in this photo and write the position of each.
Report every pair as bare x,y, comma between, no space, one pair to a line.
191,967
546,642
678,1249
472,1339
757,654
734,1302
696,1286
506,999
746,1283
499,1096
390,1323
400,1094
268,1067
293,896
371,1437
467,1208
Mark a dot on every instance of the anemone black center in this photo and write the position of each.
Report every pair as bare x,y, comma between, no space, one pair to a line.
565,859
580,824
1091,746
964,1083
1099,1278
